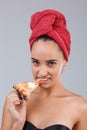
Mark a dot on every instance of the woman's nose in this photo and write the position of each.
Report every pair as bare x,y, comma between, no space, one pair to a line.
42,71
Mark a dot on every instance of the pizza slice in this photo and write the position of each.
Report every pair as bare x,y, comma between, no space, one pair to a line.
25,88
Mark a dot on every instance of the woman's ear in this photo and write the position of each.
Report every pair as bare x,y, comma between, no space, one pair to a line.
65,62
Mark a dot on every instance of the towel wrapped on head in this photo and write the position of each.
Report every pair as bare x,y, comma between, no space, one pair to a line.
53,24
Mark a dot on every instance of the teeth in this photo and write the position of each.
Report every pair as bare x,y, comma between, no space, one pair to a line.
43,78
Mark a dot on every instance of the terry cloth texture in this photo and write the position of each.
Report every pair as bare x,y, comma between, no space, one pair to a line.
53,24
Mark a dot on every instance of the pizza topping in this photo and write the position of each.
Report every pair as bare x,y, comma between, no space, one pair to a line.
25,88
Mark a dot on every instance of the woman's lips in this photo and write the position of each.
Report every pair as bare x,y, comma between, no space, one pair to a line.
44,80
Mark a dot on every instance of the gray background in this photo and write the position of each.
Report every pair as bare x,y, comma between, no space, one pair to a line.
14,47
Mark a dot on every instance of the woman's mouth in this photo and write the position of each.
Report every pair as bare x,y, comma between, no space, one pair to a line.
44,80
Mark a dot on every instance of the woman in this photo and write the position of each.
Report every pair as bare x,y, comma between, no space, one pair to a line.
51,106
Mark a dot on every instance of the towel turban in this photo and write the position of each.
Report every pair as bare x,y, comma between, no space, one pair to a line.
53,24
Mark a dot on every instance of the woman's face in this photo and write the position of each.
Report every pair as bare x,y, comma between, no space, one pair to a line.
47,62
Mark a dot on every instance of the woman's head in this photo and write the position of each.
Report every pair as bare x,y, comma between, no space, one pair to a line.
47,60
53,24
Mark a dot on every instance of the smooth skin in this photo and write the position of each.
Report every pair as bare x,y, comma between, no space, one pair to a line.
51,103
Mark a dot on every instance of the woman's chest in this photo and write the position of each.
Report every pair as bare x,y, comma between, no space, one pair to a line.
46,113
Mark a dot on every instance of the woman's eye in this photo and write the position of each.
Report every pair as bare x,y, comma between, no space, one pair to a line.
35,62
51,63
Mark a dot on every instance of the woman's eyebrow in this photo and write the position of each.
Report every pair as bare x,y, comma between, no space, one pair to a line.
54,60
34,59
50,60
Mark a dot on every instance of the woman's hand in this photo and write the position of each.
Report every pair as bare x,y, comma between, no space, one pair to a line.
16,108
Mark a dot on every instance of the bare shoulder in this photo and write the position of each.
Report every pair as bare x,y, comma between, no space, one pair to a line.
80,101
81,112
82,104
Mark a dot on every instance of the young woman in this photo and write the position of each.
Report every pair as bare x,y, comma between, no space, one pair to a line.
51,106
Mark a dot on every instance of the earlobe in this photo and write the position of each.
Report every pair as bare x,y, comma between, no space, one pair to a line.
65,62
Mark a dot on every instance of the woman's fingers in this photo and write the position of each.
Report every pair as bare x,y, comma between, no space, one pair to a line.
16,106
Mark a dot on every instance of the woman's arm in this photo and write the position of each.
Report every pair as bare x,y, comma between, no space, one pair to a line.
82,119
7,120
14,113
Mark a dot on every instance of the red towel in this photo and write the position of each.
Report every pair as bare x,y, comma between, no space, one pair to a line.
52,23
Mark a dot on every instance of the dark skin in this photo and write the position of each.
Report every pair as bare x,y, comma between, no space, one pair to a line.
51,103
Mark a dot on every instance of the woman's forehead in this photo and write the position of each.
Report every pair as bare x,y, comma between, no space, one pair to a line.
45,50
44,45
